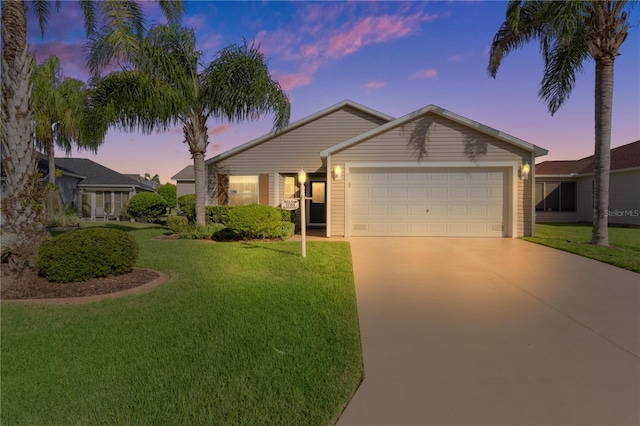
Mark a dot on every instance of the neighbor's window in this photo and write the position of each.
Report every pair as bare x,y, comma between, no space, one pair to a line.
289,187
243,190
556,196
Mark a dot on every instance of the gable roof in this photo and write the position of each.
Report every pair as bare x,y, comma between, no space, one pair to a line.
623,157
442,113
188,173
97,174
297,124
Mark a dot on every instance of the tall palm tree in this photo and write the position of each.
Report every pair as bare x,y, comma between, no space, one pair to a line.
168,87
117,37
569,33
58,106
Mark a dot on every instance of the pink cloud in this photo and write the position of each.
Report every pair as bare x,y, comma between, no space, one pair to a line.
460,57
427,73
218,130
292,80
373,85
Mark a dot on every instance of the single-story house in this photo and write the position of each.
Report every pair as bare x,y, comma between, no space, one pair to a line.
101,192
429,173
185,181
564,189
94,190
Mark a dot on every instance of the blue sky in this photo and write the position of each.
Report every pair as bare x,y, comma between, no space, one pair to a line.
394,57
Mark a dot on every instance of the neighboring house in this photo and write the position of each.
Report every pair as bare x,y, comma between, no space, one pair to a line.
152,184
564,189
102,192
185,181
428,173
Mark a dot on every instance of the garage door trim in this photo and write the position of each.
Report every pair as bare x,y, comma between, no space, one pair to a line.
511,168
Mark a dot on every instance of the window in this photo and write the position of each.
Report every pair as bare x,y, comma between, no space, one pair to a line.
243,190
556,196
289,187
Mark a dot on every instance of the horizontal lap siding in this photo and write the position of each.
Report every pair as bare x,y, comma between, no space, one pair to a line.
300,148
624,197
440,140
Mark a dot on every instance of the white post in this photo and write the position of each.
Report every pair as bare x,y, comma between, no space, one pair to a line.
303,220
302,178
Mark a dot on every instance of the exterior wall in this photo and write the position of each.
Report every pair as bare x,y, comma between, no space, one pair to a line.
185,188
427,139
624,200
295,149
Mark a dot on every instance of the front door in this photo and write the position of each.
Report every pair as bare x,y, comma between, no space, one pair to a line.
317,203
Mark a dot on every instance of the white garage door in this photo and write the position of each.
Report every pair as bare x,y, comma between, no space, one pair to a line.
459,202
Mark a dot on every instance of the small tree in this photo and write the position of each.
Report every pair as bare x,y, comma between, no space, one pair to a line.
146,206
168,192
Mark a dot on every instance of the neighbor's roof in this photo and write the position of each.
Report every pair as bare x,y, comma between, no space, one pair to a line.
623,157
188,173
299,123
97,174
442,113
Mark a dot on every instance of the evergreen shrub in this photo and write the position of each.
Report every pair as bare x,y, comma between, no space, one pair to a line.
146,206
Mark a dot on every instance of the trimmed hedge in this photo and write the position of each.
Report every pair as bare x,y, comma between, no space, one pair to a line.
87,253
255,221
168,192
187,204
146,206
177,224
217,214
200,232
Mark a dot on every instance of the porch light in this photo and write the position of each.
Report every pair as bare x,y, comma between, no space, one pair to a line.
525,169
337,172
302,177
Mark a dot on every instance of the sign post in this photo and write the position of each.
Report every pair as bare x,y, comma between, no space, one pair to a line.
302,178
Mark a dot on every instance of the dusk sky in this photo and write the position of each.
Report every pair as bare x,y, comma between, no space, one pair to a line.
394,57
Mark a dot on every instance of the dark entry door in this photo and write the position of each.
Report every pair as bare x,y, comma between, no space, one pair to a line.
317,203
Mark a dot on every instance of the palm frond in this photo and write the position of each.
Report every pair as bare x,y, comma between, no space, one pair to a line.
41,10
90,20
173,10
236,86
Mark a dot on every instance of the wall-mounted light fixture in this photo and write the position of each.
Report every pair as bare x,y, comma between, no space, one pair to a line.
337,172
525,169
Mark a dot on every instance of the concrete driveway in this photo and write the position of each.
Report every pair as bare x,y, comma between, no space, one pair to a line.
493,332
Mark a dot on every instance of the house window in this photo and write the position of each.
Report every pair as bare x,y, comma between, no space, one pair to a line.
243,190
289,187
556,196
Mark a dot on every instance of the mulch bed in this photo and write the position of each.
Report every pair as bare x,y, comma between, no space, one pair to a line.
31,286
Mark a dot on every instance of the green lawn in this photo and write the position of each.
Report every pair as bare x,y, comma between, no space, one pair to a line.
623,250
245,334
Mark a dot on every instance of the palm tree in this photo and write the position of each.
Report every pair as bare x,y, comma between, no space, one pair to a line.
569,33
122,25
58,106
168,87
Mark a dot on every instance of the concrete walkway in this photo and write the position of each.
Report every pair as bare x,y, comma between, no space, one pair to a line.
493,332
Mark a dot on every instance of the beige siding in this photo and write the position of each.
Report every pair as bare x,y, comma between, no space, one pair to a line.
300,148
585,199
185,188
624,198
432,138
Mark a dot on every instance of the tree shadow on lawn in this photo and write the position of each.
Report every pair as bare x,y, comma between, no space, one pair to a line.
248,245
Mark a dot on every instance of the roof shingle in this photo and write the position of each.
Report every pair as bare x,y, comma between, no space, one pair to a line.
623,157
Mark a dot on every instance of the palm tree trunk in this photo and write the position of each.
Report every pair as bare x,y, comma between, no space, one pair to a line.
201,191
52,162
22,204
195,133
602,156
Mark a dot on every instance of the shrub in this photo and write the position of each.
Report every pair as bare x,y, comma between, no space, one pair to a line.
177,224
200,232
227,234
287,230
146,206
187,204
63,220
288,215
217,214
253,221
87,253
168,192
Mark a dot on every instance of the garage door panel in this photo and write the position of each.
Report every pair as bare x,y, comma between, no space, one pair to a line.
428,203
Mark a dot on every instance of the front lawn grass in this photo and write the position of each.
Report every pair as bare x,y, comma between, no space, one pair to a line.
244,334
623,250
